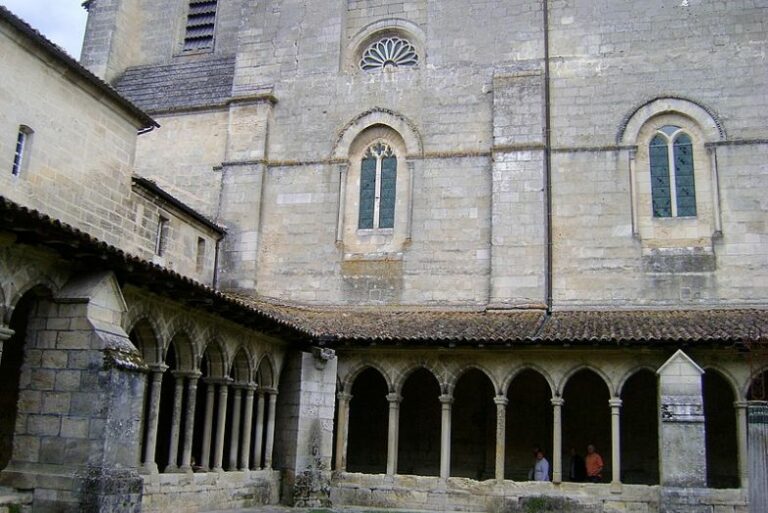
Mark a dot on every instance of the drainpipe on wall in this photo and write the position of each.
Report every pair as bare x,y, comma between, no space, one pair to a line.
547,162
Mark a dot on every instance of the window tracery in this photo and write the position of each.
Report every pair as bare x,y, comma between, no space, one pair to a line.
389,52
378,187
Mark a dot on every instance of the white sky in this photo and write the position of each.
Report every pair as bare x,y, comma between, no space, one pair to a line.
61,21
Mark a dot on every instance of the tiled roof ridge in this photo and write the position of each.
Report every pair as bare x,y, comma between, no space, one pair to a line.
59,53
153,187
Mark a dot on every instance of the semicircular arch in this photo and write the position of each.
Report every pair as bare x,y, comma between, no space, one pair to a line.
710,125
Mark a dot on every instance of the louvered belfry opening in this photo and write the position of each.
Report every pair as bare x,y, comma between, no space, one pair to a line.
201,21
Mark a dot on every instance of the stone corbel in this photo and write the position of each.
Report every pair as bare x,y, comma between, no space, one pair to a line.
322,355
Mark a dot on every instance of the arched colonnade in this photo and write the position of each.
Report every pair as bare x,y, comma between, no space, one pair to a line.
423,419
205,410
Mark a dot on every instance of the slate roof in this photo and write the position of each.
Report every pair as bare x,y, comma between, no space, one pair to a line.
197,82
63,57
393,325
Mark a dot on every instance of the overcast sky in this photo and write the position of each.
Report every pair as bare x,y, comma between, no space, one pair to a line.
61,21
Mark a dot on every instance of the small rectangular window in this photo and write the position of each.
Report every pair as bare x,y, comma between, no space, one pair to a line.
21,154
161,239
200,254
201,24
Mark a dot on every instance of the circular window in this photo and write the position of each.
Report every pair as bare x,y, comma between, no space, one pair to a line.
390,52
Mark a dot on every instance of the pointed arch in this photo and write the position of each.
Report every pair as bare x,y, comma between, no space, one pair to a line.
265,372
582,367
41,284
351,375
402,376
184,351
454,377
216,358
527,366
631,372
757,378
143,334
241,370
404,127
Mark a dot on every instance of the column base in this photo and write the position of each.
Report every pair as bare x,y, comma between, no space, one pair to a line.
149,468
616,487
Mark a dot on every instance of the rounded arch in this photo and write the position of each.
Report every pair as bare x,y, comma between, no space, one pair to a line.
215,354
405,128
582,367
265,372
403,376
528,367
628,375
454,377
382,28
706,120
241,366
348,380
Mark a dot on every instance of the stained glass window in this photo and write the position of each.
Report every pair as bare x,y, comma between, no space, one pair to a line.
673,194
378,183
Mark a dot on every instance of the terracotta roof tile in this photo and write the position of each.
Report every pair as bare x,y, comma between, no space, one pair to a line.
409,326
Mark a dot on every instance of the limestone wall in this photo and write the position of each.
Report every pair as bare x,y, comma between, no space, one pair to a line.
189,493
476,103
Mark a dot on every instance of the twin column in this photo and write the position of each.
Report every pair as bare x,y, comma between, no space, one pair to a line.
241,415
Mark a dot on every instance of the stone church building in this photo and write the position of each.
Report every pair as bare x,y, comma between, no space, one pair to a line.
372,252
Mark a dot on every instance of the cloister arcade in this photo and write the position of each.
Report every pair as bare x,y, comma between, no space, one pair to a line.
207,412
408,415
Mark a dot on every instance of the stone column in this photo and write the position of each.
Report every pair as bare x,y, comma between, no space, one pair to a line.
615,405
189,422
259,431
5,334
245,446
557,439
234,442
210,394
221,422
153,416
178,393
341,431
270,442
741,440
501,434
757,420
445,436
393,433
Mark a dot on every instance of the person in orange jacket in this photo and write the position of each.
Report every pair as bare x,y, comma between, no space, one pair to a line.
594,464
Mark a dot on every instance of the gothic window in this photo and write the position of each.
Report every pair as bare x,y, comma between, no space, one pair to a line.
378,178
201,20
387,53
673,191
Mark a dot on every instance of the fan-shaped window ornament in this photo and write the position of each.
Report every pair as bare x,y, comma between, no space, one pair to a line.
390,52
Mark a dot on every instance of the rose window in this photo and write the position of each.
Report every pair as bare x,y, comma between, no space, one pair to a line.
390,52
